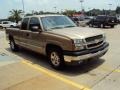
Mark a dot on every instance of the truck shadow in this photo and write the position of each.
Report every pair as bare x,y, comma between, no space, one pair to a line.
42,61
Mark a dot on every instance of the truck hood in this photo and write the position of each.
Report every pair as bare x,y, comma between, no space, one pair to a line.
77,32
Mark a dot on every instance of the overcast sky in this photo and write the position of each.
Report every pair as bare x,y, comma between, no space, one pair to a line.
47,5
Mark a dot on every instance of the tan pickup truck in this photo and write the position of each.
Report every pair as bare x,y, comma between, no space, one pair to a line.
57,37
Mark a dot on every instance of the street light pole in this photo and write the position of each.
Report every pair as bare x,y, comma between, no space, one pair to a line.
55,9
23,6
81,1
110,8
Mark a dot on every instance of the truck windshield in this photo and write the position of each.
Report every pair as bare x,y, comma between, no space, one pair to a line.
57,22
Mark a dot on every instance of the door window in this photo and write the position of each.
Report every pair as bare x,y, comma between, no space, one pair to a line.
25,24
5,22
34,21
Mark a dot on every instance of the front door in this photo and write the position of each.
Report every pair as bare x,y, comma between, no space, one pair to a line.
36,38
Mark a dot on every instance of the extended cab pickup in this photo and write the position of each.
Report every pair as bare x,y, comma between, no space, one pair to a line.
57,37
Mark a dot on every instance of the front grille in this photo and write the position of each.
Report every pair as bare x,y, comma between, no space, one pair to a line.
94,42
91,39
94,45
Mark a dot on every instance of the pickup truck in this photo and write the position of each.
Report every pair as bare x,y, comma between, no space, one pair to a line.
58,38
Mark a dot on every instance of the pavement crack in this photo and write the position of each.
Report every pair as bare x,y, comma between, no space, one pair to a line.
105,77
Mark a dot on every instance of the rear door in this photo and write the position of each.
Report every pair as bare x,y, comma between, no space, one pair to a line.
25,33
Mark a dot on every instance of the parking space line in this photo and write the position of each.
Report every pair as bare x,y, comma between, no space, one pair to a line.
52,74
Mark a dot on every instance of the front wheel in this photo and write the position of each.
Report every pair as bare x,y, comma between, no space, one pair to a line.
1,27
13,46
112,26
56,58
102,26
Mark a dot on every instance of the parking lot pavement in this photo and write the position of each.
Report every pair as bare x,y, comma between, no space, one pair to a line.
36,73
111,82
6,59
1,34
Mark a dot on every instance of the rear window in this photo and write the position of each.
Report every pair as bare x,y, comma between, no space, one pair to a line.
113,18
101,17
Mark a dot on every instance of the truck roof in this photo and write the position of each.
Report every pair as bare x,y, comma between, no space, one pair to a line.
44,15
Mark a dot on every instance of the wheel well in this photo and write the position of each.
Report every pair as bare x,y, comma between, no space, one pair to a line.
49,46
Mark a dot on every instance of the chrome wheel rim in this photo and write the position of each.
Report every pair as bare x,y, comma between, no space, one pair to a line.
55,59
101,25
12,45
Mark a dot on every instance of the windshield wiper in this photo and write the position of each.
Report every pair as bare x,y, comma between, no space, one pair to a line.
56,27
68,26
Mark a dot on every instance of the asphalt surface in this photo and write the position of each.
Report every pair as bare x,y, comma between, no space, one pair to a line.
26,70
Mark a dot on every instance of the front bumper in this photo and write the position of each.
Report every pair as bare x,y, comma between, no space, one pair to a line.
110,24
79,56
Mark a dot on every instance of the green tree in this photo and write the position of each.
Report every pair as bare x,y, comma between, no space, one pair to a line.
69,12
15,15
118,10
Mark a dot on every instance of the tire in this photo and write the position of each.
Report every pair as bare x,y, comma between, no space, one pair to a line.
5,28
56,58
13,46
90,25
11,26
102,26
112,26
1,27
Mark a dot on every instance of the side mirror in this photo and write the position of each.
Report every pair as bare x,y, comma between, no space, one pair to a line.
35,28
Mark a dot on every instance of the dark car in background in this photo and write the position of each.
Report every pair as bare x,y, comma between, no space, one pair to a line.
103,21
81,21
119,19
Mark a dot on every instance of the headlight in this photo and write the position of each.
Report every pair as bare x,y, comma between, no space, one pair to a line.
78,41
104,37
78,44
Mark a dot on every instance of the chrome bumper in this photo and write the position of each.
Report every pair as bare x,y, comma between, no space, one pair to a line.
86,56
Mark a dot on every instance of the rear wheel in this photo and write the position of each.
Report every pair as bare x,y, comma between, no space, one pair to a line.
11,26
90,25
1,27
13,46
102,26
56,58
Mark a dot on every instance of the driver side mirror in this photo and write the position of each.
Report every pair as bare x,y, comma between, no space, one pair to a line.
35,29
